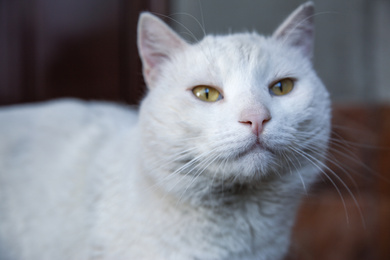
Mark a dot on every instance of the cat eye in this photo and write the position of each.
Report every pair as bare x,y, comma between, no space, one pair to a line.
206,93
282,87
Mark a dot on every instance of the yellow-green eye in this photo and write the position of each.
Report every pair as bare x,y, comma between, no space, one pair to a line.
206,93
282,87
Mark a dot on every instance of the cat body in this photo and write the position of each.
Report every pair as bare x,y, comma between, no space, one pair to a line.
93,207
184,178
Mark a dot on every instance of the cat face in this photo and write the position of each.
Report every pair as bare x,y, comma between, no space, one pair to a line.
232,108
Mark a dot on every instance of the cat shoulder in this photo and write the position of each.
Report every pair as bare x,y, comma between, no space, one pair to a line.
68,113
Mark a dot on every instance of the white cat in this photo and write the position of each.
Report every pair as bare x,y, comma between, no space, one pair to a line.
231,133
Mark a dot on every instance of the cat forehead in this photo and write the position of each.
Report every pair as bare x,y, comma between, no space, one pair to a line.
249,49
243,43
247,53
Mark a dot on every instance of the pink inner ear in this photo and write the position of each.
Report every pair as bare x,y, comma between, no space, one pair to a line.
156,50
152,58
153,54
157,43
298,29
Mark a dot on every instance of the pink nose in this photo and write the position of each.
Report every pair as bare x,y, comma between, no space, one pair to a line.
255,120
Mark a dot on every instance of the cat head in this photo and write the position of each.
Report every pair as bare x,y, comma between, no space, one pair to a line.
232,108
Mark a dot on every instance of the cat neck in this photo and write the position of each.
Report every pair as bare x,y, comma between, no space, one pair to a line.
203,192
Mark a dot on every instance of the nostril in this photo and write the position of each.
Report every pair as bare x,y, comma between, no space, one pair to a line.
256,122
266,120
246,122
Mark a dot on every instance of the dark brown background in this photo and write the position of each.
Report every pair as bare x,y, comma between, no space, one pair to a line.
87,49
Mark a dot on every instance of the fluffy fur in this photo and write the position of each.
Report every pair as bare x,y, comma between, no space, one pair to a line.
184,179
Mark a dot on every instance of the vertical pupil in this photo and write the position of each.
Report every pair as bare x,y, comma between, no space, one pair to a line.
280,86
207,92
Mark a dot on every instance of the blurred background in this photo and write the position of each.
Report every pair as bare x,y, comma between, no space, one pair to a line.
87,49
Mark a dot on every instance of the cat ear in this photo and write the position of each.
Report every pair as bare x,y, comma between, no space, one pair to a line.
298,29
156,44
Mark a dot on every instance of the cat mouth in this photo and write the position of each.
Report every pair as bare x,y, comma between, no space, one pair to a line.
257,147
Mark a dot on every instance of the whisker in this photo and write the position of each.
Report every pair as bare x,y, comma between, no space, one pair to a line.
198,173
187,165
296,169
188,31
328,177
318,164
335,163
202,18
160,164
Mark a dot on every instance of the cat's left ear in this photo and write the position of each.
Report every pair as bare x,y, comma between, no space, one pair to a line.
298,29
156,45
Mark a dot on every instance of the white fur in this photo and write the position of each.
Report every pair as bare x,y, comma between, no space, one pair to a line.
185,180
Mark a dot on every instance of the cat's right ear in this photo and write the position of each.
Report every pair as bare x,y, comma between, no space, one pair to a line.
298,29
156,45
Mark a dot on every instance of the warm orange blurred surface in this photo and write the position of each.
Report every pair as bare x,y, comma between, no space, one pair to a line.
354,224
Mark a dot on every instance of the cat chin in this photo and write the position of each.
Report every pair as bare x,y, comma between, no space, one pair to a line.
253,164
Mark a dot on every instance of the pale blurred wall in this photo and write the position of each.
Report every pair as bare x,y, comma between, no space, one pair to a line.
352,50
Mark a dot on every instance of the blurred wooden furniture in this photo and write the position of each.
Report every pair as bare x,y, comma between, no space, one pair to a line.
350,220
86,49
